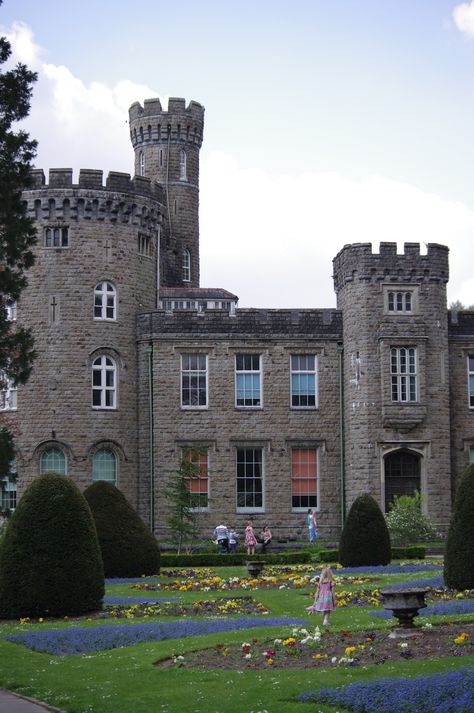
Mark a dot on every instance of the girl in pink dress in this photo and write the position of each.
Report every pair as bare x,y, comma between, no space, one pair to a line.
250,540
324,597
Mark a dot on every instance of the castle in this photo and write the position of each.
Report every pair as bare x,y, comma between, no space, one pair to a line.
282,409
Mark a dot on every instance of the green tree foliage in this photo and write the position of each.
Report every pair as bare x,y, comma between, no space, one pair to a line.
128,548
406,523
458,306
182,505
459,553
50,563
17,233
364,539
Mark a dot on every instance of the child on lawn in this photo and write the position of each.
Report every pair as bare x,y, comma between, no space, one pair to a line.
250,539
324,597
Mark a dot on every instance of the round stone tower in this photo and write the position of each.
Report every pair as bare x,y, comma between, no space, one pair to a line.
96,267
167,145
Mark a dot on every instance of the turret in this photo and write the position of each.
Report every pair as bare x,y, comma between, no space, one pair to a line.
166,145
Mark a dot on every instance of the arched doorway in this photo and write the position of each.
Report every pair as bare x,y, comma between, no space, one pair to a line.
402,470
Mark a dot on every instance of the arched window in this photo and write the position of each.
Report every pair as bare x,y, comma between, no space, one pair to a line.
104,466
105,300
402,475
53,460
104,377
182,165
141,160
186,265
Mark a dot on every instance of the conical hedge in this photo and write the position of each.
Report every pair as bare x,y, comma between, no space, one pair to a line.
128,547
50,561
459,553
365,539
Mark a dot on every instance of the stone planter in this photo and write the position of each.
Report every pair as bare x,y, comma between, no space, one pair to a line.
405,604
255,568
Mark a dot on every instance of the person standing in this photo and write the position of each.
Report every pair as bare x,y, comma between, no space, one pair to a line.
312,525
266,537
324,597
250,540
233,539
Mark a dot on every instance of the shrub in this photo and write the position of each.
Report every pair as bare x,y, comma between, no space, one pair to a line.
406,523
364,539
229,560
128,548
50,563
459,553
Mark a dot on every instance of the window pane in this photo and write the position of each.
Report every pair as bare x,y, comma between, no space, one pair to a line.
304,477
54,460
104,466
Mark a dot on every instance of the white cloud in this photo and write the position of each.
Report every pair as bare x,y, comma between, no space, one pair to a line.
463,16
269,238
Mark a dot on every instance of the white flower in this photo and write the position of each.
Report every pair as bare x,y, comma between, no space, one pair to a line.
334,659
248,656
276,641
403,645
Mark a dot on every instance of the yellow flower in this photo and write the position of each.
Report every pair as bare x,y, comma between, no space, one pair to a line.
270,662
349,650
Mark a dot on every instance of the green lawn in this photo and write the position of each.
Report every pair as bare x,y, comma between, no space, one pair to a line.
125,680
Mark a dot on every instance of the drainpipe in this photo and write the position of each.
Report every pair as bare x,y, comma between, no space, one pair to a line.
151,439
342,474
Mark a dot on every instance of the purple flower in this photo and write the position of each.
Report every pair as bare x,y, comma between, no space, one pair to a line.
457,606
111,601
447,692
389,569
78,640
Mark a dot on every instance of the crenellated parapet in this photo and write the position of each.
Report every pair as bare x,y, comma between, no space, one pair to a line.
180,123
358,263
138,200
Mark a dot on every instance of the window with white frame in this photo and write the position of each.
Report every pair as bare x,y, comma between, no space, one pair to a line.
470,376
8,494
186,265
248,380
194,380
141,163
9,311
249,467
105,302
104,377
400,301
182,165
104,466
304,478
53,460
303,381
196,474
403,369
56,237
8,393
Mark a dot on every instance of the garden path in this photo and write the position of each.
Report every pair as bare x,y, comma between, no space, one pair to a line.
12,703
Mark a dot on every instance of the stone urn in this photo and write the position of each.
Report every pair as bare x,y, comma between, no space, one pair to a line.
404,603
254,568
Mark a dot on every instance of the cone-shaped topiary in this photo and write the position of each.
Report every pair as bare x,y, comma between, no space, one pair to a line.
459,552
50,562
128,547
365,539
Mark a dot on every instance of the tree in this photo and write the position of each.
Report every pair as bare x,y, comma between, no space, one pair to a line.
459,552
128,547
17,232
183,502
364,539
458,306
406,523
50,562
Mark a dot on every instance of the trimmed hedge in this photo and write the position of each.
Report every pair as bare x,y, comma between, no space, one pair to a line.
411,552
229,560
50,562
128,547
365,539
459,552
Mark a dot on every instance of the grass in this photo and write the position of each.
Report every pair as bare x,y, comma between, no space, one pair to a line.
125,680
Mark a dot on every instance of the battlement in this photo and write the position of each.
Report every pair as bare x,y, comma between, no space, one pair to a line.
358,263
180,123
138,201
90,179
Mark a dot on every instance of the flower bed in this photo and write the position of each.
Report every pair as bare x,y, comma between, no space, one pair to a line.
79,640
450,692
303,648
129,608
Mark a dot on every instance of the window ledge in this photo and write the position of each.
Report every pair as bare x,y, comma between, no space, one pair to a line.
403,417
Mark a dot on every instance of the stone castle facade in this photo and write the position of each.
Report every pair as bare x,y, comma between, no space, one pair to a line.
282,410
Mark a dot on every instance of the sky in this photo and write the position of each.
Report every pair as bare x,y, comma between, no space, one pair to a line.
327,122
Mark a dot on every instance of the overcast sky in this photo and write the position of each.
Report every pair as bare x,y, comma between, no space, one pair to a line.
327,122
